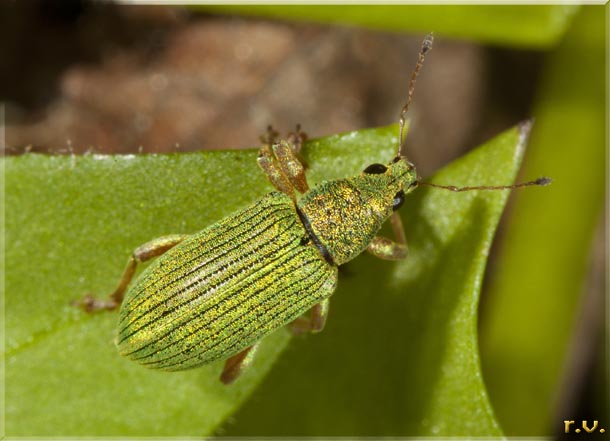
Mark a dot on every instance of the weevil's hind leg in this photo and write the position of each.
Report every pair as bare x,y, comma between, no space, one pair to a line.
387,249
237,364
314,323
145,252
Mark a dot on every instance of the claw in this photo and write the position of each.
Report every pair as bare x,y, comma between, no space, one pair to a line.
298,136
90,304
270,137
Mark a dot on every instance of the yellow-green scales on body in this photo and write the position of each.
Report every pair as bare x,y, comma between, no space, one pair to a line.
215,294
221,290
224,288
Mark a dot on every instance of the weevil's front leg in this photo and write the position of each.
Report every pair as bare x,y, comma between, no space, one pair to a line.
314,323
237,364
145,252
387,249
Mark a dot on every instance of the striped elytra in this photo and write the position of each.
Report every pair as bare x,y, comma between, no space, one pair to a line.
223,289
215,294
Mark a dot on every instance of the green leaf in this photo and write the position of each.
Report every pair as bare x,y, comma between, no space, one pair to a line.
534,26
536,296
400,352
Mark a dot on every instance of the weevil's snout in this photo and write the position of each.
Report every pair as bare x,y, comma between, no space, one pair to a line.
407,165
405,171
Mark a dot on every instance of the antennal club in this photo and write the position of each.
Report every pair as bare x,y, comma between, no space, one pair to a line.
425,48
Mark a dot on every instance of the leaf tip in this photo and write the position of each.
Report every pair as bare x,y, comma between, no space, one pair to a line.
524,128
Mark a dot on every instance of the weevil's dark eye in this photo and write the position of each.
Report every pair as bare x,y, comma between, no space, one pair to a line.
375,169
399,199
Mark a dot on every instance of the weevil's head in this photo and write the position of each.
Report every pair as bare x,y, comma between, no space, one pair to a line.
346,214
385,186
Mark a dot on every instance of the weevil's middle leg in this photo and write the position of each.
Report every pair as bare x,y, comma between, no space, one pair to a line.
296,139
270,137
314,323
237,364
268,163
145,252
387,249
291,165
281,163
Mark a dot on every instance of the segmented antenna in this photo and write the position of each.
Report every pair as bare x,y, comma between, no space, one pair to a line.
425,48
542,181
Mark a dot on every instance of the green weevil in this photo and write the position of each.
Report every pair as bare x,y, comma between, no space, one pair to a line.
215,294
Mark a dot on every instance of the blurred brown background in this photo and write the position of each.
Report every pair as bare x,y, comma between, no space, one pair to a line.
88,76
